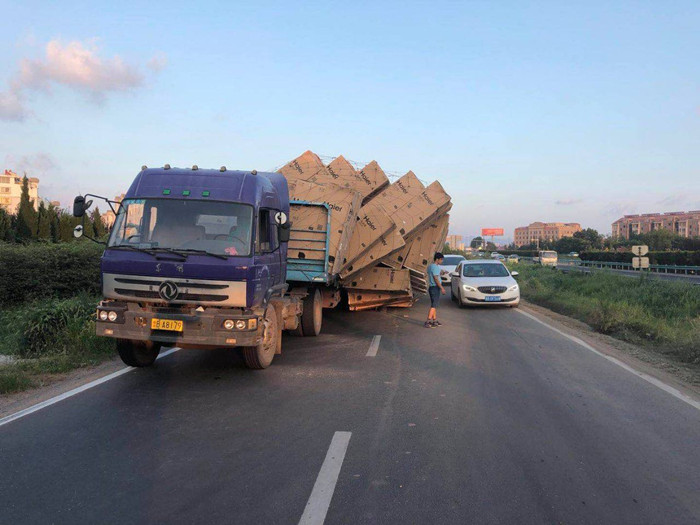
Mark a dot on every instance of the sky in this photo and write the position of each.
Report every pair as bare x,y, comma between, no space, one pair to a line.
524,111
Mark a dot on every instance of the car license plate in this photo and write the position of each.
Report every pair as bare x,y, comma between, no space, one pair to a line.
492,298
166,324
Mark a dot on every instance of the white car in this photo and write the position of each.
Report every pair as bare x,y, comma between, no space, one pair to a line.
449,263
484,283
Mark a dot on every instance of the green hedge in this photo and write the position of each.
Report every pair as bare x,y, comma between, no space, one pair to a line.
43,270
670,258
521,253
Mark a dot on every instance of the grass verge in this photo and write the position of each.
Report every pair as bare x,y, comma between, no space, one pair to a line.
662,315
49,337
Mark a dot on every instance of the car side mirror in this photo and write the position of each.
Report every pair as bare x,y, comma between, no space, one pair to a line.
514,274
454,274
284,231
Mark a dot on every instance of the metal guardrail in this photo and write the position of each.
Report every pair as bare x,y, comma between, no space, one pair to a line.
654,268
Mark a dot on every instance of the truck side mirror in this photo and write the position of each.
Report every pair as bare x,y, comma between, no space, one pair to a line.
284,231
80,206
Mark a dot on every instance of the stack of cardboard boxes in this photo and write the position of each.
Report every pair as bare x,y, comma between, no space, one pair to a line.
382,235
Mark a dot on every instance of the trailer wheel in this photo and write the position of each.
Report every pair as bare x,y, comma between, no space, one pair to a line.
312,315
138,353
261,355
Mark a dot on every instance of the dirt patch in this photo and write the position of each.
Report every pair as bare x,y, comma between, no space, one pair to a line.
663,367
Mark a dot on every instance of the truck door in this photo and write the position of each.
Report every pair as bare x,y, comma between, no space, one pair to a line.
267,252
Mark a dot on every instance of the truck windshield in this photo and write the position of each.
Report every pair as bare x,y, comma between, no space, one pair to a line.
548,255
221,228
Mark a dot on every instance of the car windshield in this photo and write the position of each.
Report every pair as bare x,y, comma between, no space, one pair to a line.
452,260
485,270
221,228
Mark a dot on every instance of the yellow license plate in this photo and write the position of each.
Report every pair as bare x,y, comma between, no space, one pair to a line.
166,324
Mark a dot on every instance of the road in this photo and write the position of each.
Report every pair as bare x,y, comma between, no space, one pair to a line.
492,418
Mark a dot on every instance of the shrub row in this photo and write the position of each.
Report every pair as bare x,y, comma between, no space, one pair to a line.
671,258
43,270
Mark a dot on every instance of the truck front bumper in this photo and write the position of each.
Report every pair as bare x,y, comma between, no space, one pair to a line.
199,330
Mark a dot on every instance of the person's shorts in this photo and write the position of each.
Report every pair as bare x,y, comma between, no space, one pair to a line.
434,292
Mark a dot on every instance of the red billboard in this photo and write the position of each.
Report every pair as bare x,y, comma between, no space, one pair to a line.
491,232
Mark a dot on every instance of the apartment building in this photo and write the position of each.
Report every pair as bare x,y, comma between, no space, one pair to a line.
11,191
544,231
685,224
455,242
108,216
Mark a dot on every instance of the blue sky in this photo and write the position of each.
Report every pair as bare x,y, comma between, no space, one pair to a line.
550,111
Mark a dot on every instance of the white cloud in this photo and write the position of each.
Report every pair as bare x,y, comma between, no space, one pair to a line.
35,165
567,202
76,65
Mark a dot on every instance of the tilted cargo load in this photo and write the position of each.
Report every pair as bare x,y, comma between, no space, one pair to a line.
381,236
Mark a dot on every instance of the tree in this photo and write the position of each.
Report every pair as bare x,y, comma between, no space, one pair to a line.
98,225
5,226
491,247
66,223
43,229
26,215
477,242
594,239
53,220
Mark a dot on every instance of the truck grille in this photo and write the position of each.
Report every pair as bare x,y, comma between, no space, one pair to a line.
492,289
178,291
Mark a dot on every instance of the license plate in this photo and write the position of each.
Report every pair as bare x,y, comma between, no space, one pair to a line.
166,324
492,298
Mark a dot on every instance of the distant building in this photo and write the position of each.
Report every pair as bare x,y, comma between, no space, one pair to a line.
455,241
685,224
545,231
11,191
108,216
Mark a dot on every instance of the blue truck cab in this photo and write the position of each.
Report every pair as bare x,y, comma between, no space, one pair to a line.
198,258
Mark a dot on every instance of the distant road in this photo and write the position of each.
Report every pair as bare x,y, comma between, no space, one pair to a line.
492,418
567,266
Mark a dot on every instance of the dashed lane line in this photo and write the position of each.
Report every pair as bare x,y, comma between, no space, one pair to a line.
374,346
322,493
71,393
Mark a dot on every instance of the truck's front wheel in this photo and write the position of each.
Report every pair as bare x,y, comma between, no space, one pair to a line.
138,353
261,355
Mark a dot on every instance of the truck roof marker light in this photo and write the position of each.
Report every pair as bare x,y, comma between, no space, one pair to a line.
144,167
254,172
222,169
195,167
205,194
185,193
166,167
166,192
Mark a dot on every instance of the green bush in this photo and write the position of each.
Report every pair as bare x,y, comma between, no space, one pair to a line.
43,270
678,258
642,310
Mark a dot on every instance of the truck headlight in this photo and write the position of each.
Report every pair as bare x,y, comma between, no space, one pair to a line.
240,324
228,324
103,315
112,316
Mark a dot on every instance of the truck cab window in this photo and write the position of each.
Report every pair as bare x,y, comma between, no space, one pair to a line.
264,237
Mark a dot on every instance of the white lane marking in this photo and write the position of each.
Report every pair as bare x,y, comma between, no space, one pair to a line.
34,408
374,346
322,493
650,379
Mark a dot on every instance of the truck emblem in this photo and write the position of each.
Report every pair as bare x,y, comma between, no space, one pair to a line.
158,267
168,290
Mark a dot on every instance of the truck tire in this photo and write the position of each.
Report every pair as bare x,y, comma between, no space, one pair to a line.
312,315
138,353
261,355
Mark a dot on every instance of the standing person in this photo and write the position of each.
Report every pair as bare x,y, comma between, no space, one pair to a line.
434,290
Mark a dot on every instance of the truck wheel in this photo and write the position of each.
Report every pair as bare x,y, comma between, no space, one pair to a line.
138,353
261,355
312,314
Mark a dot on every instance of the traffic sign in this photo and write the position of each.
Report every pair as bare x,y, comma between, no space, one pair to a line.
640,262
640,249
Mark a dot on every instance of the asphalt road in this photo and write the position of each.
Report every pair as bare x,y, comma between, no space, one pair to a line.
492,418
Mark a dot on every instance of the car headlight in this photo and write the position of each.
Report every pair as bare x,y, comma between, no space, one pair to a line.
513,288
469,288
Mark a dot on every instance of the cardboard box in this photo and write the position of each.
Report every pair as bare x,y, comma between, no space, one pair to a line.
429,240
307,166
375,179
373,223
387,244
368,299
344,205
381,278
